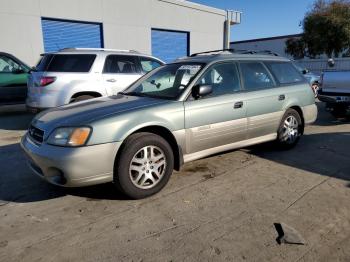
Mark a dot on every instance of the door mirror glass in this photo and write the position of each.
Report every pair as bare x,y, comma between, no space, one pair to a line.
199,91
305,71
331,62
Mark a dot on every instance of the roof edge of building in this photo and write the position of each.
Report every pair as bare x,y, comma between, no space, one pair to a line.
266,39
196,6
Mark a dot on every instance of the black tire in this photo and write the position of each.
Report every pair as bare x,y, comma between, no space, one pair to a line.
339,111
133,145
289,142
81,98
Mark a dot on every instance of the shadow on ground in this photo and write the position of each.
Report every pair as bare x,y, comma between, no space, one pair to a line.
323,154
19,184
22,120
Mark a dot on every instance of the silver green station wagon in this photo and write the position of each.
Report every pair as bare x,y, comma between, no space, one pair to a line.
200,105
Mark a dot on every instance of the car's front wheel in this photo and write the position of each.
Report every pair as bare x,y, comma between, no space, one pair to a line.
144,166
290,129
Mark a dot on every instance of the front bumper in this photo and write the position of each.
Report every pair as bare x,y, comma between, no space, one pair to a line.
71,167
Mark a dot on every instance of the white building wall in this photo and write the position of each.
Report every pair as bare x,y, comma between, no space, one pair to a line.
126,24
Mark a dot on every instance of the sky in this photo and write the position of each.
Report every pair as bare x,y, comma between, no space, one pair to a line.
264,18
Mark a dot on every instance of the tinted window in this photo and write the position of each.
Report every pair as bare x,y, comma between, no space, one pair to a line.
148,64
8,65
117,64
66,63
223,78
255,76
285,73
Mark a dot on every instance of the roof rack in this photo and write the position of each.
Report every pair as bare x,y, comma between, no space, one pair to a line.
236,51
97,49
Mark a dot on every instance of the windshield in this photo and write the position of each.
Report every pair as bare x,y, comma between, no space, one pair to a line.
168,82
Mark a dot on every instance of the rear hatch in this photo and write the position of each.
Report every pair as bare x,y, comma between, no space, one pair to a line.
52,68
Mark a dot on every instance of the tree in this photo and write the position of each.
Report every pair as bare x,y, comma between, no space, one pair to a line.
326,31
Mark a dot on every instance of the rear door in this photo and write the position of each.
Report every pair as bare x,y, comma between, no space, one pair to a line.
13,80
119,72
220,118
264,106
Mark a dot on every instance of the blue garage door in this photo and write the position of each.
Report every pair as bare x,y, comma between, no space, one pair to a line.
60,34
169,45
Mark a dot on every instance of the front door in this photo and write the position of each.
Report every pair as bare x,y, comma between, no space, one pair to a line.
219,118
119,72
13,81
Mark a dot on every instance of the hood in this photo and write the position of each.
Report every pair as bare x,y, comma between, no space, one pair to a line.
83,113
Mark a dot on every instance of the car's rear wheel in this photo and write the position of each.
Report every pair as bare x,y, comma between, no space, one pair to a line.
339,111
290,129
145,165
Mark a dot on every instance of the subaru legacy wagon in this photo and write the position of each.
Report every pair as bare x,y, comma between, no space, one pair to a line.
195,107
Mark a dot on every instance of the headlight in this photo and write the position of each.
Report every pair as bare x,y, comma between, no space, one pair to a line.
69,136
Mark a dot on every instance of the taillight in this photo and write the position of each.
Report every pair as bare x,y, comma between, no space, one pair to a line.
46,80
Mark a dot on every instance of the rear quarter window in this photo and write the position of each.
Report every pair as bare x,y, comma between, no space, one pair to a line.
285,72
80,63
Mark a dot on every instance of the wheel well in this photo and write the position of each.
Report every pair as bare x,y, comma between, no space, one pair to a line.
300,112
88,93
169,137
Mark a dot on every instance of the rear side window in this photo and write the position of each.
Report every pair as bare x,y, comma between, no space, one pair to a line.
255,76
285,72
148,64
66,63
120,64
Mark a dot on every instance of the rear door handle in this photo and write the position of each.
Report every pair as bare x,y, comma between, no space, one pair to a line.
112,80
281,97
238,105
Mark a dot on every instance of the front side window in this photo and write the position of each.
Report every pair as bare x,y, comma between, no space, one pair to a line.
120,64
8,65
255,76
285,72
223,78
148,64
167,82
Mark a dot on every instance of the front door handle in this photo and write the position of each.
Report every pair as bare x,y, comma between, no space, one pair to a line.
238,105
281,97
112,80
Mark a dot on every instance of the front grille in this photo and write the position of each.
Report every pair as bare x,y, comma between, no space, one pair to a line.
36,134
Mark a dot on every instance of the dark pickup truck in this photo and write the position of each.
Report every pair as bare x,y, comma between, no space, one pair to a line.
13,79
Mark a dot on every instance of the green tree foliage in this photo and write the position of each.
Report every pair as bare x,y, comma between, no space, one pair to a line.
326,31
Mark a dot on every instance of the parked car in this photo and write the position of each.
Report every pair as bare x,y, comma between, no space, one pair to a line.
335,91
13,79
77,74
192,108
312,78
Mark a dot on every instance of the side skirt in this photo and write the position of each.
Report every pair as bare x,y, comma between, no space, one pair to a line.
240,144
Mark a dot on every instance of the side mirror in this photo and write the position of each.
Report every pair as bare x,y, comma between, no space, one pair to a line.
18,71
305,71
199,91
331,62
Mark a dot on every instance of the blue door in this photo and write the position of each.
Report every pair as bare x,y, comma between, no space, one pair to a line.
169,45
60,34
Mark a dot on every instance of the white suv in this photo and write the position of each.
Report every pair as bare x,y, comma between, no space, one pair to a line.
77,74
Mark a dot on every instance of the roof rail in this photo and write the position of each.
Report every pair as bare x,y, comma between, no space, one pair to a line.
237,51
98,49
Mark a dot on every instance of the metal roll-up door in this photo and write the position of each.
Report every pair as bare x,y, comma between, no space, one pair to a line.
60,34
169,45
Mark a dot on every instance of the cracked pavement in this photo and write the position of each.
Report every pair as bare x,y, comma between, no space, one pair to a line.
220,208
